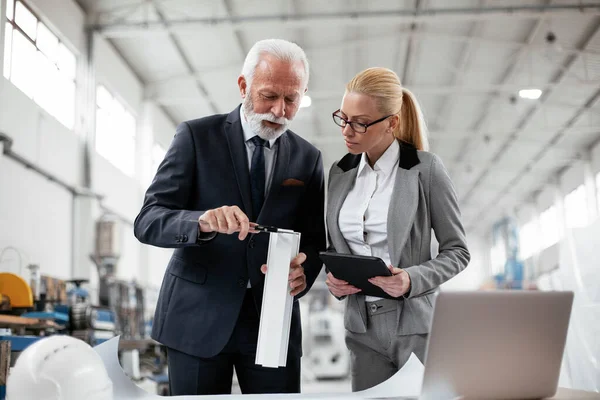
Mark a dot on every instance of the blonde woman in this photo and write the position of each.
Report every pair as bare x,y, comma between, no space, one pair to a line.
386,197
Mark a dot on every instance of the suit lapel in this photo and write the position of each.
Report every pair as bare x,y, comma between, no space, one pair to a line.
339,187
280,171
239,158
402,211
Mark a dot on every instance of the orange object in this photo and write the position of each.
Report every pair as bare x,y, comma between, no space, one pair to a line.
16,289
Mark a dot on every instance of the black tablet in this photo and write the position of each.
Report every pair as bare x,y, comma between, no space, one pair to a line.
356,270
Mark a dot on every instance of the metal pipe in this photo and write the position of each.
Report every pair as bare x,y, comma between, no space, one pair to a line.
75,190
339,18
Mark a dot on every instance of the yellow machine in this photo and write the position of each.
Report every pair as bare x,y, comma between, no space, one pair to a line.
16,290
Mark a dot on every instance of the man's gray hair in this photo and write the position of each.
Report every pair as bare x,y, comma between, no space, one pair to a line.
278,48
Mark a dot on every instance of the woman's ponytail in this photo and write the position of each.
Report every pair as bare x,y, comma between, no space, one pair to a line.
411,129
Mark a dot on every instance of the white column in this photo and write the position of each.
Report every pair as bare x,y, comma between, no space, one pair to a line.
144,142
84,207
589,180
83,236
559,202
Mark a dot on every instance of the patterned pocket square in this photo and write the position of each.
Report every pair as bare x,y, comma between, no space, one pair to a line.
292,182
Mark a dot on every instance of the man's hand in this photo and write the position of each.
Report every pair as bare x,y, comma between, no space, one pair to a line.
296,277
396,285
339,287
226,220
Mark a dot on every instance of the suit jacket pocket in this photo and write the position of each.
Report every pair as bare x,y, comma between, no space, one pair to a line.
353,320
292,182
191,272
415,317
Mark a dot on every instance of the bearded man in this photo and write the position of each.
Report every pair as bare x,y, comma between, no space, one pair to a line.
221,175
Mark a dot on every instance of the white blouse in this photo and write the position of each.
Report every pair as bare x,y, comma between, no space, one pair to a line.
363,216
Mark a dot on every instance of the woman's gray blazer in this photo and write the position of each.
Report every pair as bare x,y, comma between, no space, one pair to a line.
423,199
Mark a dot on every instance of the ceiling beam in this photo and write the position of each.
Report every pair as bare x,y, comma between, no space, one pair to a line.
511,68
238,35
531,165
419,90
447,106
351,18
184,58
513,138
523,46
294,7
411,49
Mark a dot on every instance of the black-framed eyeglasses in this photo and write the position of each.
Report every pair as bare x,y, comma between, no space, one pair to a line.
356,126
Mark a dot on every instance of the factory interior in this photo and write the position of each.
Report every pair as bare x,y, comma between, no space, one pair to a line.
93,91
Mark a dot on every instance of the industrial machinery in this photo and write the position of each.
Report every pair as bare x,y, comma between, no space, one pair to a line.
138,354
125,299
505,244
90,323
46,300
15,294
327,355
47,306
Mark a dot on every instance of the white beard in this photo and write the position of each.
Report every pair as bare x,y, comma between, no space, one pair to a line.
255,121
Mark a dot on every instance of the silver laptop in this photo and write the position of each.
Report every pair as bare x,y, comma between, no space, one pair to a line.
498,344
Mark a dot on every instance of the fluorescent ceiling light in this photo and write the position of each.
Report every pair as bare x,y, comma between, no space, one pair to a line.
306,101
532,94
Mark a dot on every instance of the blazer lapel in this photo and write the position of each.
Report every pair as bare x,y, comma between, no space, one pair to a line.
402,211
339,187
239,158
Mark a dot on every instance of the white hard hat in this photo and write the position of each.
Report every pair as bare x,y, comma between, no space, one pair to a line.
59,368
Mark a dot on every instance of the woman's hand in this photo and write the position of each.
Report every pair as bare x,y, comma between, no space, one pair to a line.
396,285
339,287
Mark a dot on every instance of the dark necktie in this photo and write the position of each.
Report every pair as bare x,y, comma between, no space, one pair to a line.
257,175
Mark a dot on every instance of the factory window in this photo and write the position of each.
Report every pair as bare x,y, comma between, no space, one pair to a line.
598,190
115,131
498,257
528,240
549,227
158,154
38,63
576,211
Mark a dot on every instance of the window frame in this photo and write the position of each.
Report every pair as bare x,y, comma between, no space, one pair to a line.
573,210
66,120
545,230
529,239
115,103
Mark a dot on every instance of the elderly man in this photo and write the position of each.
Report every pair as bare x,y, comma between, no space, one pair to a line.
221,175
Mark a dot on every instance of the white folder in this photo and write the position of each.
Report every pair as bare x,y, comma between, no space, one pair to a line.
276,311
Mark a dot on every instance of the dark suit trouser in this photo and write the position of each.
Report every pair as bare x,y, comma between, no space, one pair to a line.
189,375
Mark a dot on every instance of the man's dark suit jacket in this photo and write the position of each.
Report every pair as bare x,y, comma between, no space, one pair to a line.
204,285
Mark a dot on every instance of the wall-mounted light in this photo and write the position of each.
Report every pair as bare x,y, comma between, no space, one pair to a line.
306,101
531,94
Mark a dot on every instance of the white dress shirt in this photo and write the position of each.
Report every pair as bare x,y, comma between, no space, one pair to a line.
270,152
363,216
